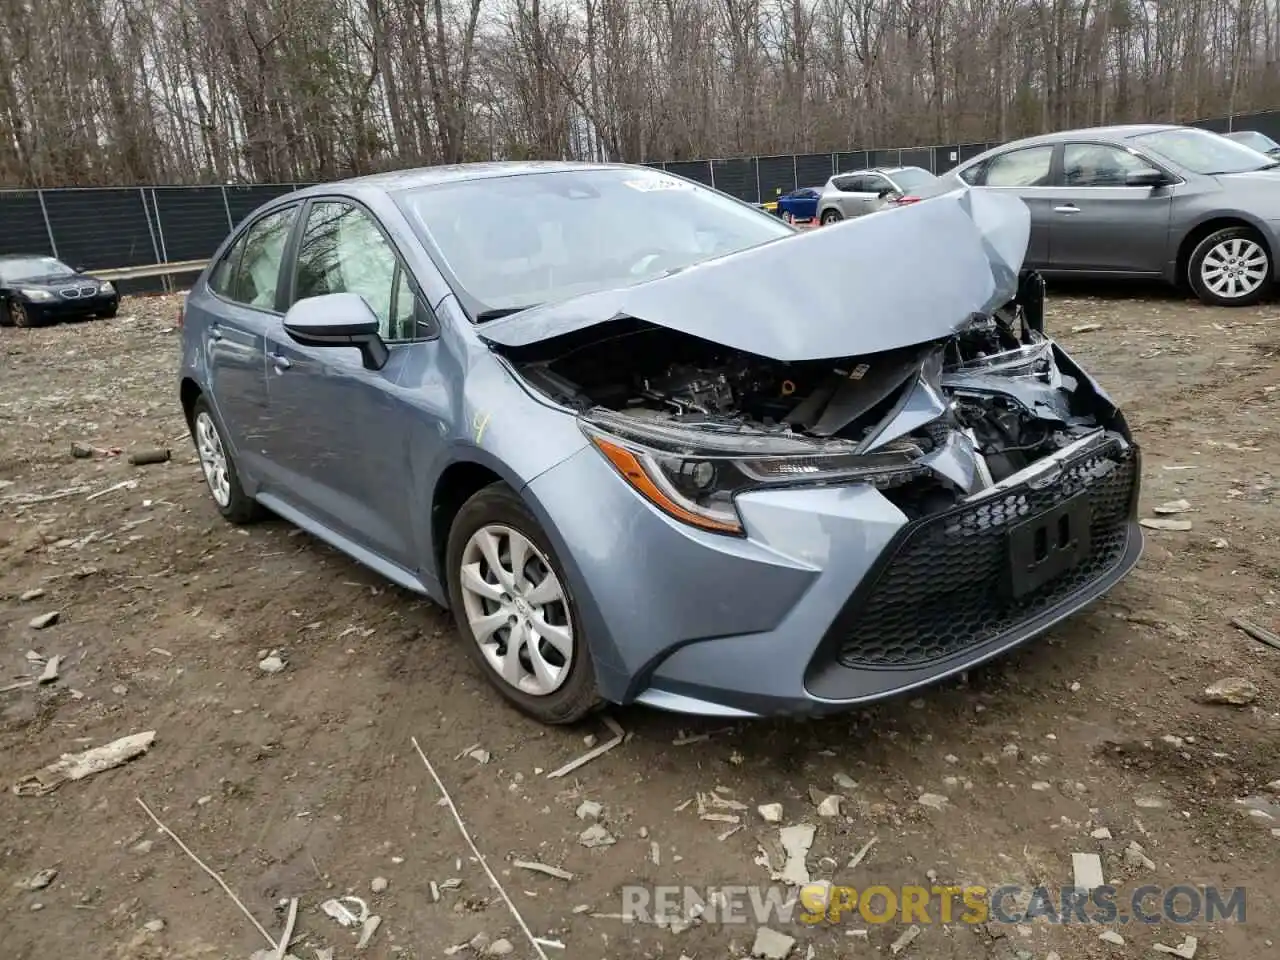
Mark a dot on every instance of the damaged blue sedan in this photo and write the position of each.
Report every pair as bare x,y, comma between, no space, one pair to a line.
570,403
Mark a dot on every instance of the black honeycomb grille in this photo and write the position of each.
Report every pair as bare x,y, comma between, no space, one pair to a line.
941,589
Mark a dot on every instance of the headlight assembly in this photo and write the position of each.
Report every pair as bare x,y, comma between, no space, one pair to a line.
35,294
694,477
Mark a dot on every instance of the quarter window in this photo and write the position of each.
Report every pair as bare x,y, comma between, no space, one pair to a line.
343,251
1028,167
250,271
1099,165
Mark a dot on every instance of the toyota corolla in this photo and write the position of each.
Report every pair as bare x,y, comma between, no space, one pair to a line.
570,403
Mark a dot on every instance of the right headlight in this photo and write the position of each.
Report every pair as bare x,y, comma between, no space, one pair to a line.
694,476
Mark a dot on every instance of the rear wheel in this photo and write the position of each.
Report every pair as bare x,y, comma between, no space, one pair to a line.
513,607
219,468
1230,268
831,216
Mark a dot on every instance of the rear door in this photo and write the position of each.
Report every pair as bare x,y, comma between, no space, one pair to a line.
1028,173
1101,225
241,303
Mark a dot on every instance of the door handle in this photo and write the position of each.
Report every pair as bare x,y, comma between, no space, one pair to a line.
281,362
1067,208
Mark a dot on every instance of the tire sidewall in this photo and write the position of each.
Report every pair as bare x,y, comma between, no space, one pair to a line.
17,310
1202,249
830,216
499,504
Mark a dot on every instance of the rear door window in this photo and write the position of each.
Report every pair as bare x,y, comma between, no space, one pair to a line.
250,271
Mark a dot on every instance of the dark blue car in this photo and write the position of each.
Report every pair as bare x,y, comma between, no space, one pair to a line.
802,204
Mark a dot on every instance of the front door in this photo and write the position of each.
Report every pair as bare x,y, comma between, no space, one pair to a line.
338,447
1101,225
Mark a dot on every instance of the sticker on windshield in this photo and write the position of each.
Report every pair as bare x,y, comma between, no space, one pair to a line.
658,183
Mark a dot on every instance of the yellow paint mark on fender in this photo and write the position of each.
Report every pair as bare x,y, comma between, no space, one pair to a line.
478,424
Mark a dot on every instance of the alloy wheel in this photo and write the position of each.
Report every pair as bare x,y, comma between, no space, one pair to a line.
1234,268
516,608
213,459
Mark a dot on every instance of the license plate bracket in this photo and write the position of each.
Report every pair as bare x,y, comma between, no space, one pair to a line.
1047,545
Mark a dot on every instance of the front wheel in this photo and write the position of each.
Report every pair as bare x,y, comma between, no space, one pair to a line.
18,315
831,216
1230,268
513,607
109,314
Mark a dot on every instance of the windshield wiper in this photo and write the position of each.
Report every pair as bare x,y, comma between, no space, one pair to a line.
498,312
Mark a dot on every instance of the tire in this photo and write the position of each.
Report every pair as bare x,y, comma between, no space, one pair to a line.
18,315
1230,268
831,216
222,479
109,314
565,689
6,319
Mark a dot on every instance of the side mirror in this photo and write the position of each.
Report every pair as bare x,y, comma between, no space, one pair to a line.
885,192
338,320
80,269
1145,178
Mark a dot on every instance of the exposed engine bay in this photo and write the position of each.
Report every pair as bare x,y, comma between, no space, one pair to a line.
969,411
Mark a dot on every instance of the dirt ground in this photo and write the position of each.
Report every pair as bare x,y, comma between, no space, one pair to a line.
305,783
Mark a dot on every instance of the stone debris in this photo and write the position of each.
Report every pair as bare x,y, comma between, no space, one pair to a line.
479,756
596,836
1148,803
904,940
50,672
771,812
844,781
772,945
1087,868
379,884
1102,833
934,801
1186,950
1233,691
1177,525
1172,507
1135,856
37,881
34,594
499,948
589,810
44,620
273,662
1110,936
153,926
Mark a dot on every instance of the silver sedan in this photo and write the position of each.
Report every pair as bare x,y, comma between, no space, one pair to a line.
1156,201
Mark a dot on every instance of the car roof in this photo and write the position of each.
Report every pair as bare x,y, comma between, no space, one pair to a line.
884,170
26,256
395,180
1116,132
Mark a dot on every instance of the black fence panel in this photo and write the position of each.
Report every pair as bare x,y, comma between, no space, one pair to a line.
192,221
737,178
813,169
22,227
242,201
920,157
970,150
1220,124
886,158
656,164
102,228
777,176
699,170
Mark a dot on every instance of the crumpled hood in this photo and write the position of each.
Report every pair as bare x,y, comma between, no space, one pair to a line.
886,280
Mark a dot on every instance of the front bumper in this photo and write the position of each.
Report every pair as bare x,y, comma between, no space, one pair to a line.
51,311
833,599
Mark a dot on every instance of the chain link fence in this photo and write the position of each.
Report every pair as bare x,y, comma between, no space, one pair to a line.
111,228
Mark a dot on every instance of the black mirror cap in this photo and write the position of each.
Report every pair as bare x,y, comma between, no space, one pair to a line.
1146,178
373,351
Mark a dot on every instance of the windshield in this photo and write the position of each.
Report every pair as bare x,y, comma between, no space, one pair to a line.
528,239
32,268
1203,152
913,178
1252,138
